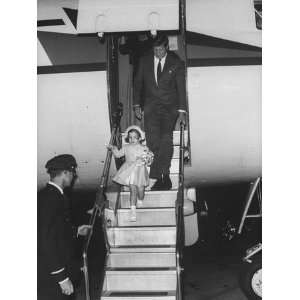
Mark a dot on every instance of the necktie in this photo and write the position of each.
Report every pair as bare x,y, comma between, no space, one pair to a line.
158,70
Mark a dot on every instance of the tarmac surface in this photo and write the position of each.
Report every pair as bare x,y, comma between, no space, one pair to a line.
211,277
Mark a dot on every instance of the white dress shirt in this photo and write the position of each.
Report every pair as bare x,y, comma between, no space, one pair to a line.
162,62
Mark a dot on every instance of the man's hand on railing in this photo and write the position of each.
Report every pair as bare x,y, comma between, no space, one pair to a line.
138,112
83,230
181,118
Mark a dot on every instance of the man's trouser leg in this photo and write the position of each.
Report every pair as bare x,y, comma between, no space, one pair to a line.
159,125
167,123
152,130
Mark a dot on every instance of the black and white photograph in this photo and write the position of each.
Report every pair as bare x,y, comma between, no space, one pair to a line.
149,150
148,158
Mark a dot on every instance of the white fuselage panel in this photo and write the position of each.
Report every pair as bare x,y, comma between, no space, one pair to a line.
225,124
73,118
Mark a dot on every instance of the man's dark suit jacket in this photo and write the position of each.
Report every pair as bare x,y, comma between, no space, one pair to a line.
170,91
56,238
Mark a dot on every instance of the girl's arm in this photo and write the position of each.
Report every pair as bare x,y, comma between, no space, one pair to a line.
116,152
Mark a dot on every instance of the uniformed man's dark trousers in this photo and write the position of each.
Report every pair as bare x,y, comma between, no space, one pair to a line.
159,126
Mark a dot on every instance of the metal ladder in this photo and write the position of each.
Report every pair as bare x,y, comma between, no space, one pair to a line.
144,260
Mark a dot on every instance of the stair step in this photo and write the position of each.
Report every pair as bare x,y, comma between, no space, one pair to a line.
140,280
152,199
174,168
152,235
143,249
142,295
147,216
144,269
176,151
139,259
176,137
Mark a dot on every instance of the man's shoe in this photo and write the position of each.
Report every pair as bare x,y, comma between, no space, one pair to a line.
157,185
167,183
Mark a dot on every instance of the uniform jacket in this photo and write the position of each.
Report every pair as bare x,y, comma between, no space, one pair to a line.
170,91
56,240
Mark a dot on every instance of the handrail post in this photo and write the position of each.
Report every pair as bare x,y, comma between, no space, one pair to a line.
179,216
250,196
86,277
100,201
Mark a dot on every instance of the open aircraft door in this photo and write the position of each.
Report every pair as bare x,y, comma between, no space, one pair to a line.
123,16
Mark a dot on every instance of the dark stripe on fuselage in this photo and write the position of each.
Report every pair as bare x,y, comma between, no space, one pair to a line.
72,68
198,39
72,14
50,22
224,61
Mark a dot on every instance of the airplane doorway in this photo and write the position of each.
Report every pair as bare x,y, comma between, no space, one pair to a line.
132,46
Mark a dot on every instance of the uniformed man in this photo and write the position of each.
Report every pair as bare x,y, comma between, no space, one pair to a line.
57,265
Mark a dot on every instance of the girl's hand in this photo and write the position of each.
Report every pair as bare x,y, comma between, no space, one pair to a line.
139,159
110,147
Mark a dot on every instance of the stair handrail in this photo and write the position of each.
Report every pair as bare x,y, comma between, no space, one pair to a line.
180,216
101,201
255,187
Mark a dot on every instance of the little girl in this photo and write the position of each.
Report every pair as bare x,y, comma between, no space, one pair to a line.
133,172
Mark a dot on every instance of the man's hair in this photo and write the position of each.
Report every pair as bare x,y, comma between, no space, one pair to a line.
133,130
160,40
54,173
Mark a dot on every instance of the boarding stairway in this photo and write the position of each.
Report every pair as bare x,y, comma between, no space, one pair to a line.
144,258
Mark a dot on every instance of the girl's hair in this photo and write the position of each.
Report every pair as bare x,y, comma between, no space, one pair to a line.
136,131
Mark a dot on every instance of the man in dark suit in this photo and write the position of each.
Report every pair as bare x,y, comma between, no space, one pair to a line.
57,265
160,80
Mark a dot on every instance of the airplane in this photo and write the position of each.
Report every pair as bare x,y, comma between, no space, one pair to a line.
223,57
82,76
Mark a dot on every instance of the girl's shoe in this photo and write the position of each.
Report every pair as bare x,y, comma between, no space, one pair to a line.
133,214
139,203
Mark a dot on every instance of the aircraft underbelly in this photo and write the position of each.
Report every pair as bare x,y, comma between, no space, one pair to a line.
225,124
73,117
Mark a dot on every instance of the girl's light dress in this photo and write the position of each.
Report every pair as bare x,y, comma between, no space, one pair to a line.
134,170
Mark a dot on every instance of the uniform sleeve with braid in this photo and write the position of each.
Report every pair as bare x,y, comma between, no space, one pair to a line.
51,239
